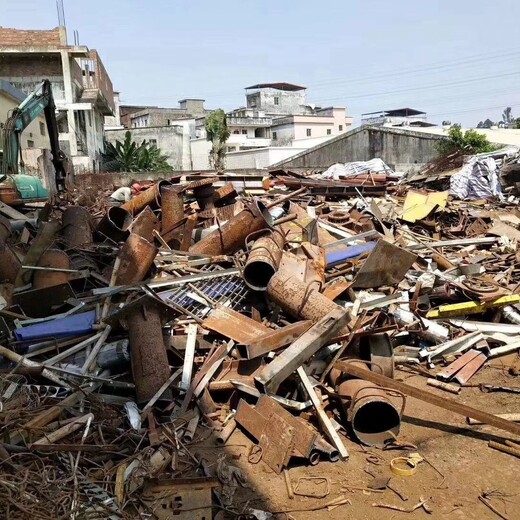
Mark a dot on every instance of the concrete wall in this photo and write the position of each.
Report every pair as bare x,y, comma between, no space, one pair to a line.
406,149
288,102
200,153
173,142
259,158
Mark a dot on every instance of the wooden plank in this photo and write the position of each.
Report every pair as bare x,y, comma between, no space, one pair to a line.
428,397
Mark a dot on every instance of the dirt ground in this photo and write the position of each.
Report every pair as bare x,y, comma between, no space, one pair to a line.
457,451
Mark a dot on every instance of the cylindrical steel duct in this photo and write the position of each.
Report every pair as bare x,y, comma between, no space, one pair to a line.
298,300
136,257
76,227
511,315
374,419
150,369
9,264
149,197
232,235
263,260
114,225
112,355
172,208
144,224
57,259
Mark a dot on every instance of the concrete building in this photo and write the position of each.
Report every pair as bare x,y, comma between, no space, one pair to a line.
35,137
396,117
81,87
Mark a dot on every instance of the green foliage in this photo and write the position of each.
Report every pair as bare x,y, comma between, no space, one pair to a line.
217,132
128,156
517,123
470,142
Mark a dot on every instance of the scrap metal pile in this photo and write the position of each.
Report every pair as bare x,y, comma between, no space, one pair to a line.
131,333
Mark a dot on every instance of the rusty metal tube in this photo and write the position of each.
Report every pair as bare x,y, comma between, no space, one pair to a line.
57,259
136,258
226,432
114,225
76,227
263,260
374,419
150,369
149,197
172,208
9,264
144,224
232,235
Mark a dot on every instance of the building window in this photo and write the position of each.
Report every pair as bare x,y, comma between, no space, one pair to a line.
341,128
275,137
309,132
42,128
244,132
30,144
276,100
153,142
329,131
236,132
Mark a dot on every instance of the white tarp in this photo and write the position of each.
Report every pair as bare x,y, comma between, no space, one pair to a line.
351,169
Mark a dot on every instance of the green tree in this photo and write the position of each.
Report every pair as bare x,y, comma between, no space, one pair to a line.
470,142
217,132
128,156
507,116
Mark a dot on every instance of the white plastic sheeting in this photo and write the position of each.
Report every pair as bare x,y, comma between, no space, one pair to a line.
351,169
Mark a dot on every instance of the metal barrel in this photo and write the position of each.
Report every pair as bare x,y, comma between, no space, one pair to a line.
150,197
136,258
263,260
232,235
374,419
76,227
57,259
114,225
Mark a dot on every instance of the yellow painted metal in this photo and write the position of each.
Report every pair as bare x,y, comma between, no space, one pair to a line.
464,308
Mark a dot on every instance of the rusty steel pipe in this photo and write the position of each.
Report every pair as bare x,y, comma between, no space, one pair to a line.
150,197
136,259
232,235
114,225
57,259
172,208
298,300
263,260
144,224
374,419
9,264
149,361
76,227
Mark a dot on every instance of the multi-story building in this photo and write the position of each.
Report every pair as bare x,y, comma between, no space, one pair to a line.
81,86
396,117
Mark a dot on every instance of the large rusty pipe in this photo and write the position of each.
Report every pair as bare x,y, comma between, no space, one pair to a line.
150,197
114,225
57,259
150,369
373,417
232,235
172,208
76,227
263,260
144,224
136,257
9,264
299,300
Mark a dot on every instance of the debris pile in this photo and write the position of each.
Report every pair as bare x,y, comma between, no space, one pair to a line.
135,336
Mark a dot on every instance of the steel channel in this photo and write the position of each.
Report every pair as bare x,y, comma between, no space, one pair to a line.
76,227
51,258
263,260
136,258
232,235
150,369
150,197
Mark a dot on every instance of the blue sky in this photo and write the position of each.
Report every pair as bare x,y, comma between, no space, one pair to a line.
456,59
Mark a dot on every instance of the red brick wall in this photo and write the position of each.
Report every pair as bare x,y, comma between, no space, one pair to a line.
37,65
18,37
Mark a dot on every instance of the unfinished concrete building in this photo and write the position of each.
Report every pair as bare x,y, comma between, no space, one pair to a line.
81,86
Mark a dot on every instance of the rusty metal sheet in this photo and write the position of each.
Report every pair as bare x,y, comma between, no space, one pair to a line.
470,369
250,419
386,264
39,303
336,288
275,339
448,372
234,325
277,443
144,224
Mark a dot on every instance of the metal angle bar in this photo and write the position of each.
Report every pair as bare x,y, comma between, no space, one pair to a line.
72,350
456,242
327,425
189,355
161,390
95,351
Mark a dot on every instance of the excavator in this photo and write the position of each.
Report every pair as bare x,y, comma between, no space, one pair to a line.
17,188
